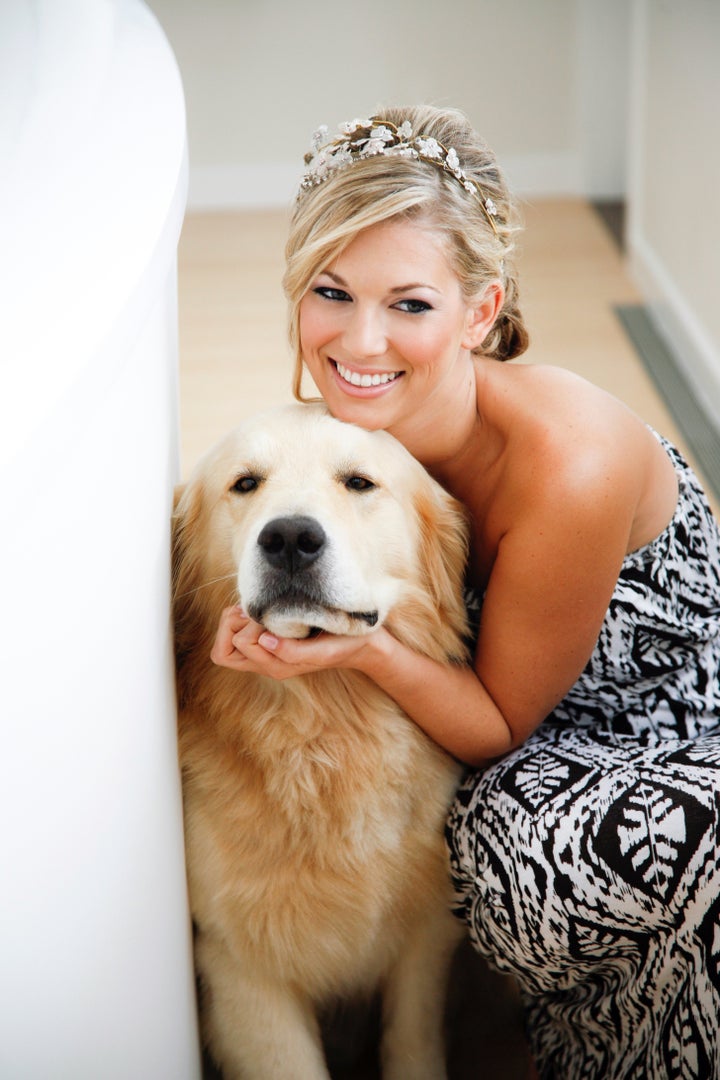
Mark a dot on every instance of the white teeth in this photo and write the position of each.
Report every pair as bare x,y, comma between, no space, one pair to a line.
356,379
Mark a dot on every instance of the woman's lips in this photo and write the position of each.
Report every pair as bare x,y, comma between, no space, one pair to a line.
364,382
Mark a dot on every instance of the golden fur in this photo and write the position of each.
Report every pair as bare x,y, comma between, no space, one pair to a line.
314,809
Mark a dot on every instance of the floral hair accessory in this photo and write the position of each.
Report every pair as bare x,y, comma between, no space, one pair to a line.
361,139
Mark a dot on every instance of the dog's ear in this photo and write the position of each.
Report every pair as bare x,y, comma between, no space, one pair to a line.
193,621
187,507
444,535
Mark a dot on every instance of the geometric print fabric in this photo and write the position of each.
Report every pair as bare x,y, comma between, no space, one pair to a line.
587,862
600,893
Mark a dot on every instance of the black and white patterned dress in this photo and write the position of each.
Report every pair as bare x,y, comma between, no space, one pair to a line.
587,862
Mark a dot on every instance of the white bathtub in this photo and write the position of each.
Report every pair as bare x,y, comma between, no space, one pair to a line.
94,932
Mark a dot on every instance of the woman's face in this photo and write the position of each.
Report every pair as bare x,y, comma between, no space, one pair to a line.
385,330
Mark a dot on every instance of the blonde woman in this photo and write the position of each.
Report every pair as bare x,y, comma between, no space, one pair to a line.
584,841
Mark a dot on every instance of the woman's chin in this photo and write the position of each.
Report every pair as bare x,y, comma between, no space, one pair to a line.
370,407
364,414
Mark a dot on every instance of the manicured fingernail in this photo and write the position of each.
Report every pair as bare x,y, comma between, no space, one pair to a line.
268,641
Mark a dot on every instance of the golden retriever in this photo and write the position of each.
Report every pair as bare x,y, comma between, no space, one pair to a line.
314,808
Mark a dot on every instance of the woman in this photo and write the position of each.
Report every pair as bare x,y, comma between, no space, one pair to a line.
584,842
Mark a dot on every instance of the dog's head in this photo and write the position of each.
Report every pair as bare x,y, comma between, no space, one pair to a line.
317,524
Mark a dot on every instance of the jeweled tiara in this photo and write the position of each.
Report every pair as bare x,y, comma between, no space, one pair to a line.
361,139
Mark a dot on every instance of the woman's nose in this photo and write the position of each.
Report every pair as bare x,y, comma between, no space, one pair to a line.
365,335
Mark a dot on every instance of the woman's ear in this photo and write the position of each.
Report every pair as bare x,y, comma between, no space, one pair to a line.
482,314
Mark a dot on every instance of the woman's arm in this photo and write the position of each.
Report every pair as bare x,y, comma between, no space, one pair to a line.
554,573
448,702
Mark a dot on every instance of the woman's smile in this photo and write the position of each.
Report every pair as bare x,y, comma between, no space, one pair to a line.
373,381
385,329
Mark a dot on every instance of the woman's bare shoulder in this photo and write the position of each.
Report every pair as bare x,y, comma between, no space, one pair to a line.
570,444
567,418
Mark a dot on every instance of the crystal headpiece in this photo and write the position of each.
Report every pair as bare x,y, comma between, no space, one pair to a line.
361,139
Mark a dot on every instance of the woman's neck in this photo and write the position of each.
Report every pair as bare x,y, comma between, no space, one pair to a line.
438,431
452,437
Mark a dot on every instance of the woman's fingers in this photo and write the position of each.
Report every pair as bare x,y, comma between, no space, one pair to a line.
232,621
244,645
304,655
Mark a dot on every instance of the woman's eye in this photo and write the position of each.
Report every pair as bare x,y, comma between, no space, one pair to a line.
413,307
358,483
330,293
245,484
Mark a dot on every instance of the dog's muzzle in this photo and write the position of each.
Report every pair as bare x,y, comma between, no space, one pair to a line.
291,548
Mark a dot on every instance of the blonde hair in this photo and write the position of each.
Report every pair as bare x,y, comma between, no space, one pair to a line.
328,217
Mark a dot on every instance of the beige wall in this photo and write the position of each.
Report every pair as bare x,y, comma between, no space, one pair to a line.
543,80
674,229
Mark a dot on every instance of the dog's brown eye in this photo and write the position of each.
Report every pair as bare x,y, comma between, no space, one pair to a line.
245,484
358,483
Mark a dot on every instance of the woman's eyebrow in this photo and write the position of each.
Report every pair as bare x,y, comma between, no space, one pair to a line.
396,290
413,285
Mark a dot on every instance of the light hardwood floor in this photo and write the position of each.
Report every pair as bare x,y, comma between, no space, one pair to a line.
234,360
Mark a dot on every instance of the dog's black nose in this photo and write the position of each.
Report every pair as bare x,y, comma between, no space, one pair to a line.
291,543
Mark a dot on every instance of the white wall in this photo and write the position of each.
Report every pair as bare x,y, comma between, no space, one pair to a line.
674,226
543,80
97,979
602,85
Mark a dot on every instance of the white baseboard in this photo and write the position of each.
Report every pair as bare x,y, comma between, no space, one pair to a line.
241,187
691,345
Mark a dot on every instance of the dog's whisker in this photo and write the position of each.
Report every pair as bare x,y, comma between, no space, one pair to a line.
206,584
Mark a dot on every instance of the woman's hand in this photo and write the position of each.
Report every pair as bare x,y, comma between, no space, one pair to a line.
446,700
243,645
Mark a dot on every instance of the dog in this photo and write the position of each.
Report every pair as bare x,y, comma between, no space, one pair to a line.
314,808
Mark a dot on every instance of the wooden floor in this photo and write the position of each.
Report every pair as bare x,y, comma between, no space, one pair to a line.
234,360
